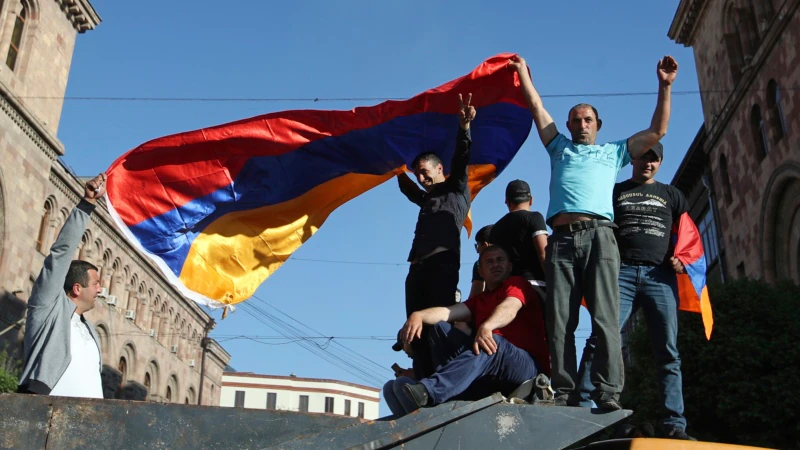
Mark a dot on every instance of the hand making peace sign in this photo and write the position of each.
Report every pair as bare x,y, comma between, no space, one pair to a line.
466,113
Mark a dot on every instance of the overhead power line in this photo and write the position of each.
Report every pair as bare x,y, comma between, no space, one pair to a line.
347,99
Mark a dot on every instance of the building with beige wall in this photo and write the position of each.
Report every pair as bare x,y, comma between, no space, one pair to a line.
250,390
153,339
741,174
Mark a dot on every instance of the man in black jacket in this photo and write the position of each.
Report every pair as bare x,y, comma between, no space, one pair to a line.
436,250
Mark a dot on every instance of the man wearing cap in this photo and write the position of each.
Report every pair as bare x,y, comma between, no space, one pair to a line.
582,260
644,211
523,234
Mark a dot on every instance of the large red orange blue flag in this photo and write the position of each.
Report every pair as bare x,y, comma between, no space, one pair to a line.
220,209
692,289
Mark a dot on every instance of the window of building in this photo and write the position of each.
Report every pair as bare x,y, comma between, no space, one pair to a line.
16,37
238,402
765,12
123,368
740,270
272,400
361,410
347,407
759,131
775,109
708,231
44,225
303,407
147,382
169,394
726,179
329,405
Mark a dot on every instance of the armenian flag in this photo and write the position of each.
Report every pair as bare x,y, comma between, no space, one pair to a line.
692,289
220,209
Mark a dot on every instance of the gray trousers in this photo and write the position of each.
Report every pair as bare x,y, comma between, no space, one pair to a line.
584,265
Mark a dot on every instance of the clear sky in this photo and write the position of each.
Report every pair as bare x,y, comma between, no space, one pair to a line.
359,49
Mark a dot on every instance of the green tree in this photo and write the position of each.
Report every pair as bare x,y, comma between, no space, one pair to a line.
9,372
740,387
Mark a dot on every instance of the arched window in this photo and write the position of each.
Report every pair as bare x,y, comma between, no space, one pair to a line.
741,37
105,279
775,108
16,36
44,226
114,282
97,251
169,394
152,372
155,315
102,333
726,181
123,369
84,251
765,12
147,382
759,131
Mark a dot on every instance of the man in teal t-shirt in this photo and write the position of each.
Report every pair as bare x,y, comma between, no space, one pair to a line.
582,259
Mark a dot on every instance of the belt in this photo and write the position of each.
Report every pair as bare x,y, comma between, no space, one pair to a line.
583,225
638,262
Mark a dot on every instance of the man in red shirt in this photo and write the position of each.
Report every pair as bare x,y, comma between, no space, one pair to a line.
509,344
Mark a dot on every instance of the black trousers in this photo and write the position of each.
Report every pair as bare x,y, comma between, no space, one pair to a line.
431,282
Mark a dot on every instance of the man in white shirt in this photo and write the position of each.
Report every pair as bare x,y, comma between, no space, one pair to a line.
62,349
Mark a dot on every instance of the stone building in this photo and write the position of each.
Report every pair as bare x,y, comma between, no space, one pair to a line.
153,339
742,172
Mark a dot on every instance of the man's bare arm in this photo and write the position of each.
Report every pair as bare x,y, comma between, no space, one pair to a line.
641,142
505,312
412,329
544,123
540,243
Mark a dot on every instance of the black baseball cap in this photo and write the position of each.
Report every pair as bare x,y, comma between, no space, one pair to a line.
518,191
397,346
658,149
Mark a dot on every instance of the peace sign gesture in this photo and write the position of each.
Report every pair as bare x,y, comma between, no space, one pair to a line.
466,113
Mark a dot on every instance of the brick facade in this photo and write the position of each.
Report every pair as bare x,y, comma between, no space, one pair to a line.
743,50
152,336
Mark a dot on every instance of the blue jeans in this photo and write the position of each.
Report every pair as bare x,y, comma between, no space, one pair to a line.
398,402
655,290
509,365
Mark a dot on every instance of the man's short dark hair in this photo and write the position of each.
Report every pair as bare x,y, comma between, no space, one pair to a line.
78,273
491,249
430,157
584,105
482,236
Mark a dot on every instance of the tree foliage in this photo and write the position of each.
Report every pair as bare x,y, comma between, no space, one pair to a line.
740,386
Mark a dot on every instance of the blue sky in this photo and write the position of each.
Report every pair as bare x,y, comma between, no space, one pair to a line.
257,49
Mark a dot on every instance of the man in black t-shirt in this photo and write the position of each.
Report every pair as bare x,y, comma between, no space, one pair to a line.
523,234
644,211
481,242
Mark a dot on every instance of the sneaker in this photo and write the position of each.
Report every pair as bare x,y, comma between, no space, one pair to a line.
678,433
606,401
417,394
565,400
